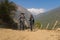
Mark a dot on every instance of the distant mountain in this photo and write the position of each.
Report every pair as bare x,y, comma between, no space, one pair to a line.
50,18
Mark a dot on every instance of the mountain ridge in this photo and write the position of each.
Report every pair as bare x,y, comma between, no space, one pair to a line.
50,17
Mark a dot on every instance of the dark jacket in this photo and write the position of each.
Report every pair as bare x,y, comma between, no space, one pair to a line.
31,21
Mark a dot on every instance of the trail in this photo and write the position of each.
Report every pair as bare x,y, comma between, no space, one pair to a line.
9,34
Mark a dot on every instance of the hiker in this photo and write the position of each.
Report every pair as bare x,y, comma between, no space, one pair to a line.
22,19
31,22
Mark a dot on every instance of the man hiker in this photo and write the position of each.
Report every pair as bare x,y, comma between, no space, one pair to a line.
31,22
22,20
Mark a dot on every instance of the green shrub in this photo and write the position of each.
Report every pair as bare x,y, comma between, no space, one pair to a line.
37,24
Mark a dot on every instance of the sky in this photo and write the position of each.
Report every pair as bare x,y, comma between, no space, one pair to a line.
38,6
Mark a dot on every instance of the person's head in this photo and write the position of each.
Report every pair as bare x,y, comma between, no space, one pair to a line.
22,13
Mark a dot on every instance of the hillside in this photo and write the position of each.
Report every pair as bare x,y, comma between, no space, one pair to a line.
21,10
16,15
50,18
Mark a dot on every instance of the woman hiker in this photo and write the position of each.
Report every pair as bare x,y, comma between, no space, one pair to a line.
31,22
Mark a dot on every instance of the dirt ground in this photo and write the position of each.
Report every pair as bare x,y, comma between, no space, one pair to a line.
9,34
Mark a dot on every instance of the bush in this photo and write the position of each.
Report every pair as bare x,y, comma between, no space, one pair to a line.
37,24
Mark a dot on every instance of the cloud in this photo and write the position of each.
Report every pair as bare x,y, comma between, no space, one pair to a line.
36,11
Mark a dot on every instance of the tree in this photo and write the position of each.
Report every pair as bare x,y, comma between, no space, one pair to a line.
6,10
